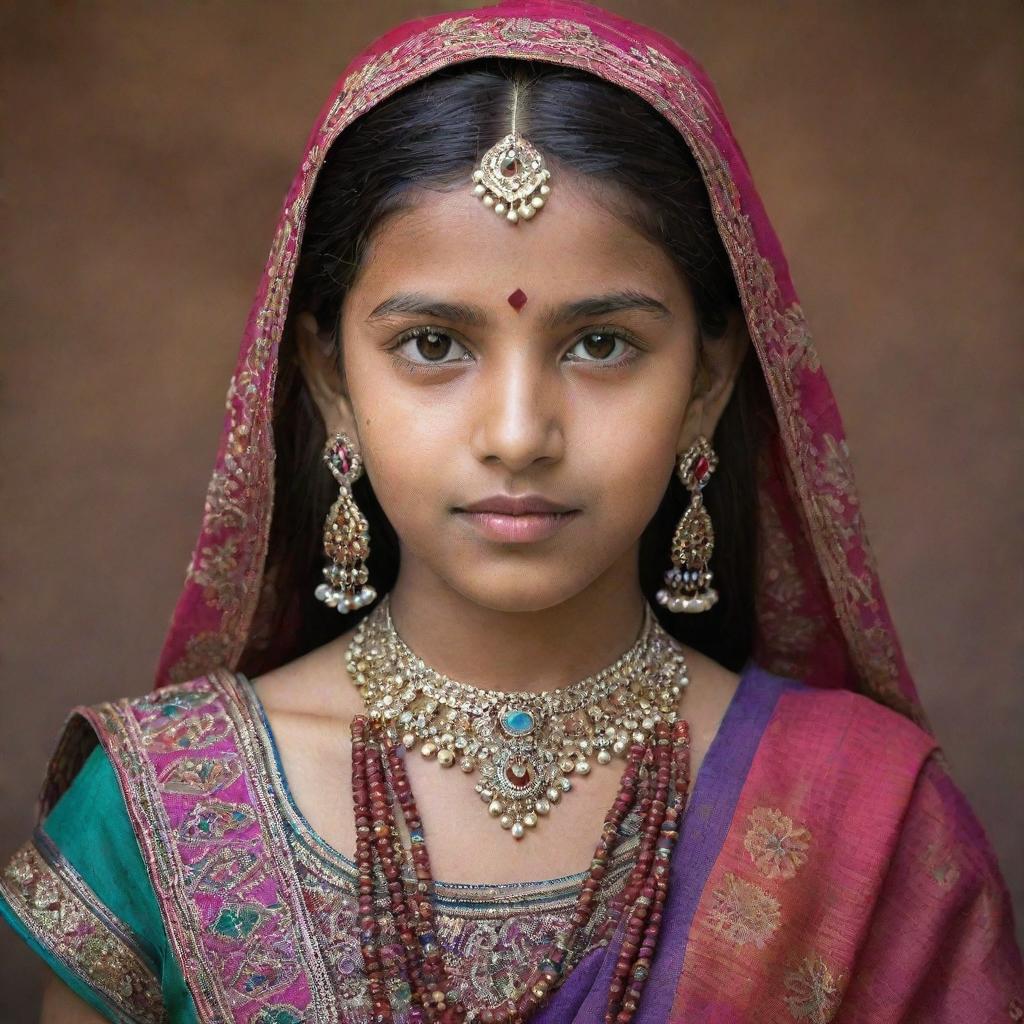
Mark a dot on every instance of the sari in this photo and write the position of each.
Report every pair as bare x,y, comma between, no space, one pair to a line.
827,869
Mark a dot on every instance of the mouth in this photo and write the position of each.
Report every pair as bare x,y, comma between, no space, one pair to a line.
524,528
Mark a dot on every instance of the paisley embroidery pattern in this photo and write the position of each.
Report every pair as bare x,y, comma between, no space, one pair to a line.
199,775
220,865
210,822
66,917
183,734
777,847
489,946
222,869
743,913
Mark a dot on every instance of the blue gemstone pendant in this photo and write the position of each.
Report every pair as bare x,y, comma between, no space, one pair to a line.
517,722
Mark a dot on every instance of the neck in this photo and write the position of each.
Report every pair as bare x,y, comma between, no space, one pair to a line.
518,651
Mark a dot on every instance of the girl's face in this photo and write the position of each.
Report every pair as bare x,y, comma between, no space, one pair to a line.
582,395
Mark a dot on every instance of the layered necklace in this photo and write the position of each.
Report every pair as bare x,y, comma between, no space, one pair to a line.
527,748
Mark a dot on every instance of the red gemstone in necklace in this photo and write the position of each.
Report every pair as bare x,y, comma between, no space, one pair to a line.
517,299
518,774
701,469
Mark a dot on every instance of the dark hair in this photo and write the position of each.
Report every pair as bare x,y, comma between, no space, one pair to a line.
431,135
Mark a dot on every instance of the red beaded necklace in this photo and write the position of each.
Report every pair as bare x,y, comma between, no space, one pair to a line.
656,777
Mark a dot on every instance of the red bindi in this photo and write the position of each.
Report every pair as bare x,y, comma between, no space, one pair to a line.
517,299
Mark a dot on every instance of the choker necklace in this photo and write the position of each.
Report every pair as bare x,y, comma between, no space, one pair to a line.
527,747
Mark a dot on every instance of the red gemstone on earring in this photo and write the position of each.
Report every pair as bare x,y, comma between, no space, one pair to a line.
702,469
517,299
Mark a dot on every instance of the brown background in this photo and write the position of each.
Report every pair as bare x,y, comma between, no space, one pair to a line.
149,147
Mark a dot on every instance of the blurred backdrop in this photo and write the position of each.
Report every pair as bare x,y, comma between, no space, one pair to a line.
149,147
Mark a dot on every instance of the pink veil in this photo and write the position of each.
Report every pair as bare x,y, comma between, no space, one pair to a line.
821,615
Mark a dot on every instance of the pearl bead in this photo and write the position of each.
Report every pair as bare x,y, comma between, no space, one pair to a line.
530,819
505,821
428,749
445,758
495,807
543,806
554,795
518,830
603,757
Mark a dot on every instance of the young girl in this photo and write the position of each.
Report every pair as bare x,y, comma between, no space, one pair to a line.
532,663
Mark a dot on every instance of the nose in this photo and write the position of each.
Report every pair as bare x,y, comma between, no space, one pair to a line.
518,413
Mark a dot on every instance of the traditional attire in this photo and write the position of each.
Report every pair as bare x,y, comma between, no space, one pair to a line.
827,869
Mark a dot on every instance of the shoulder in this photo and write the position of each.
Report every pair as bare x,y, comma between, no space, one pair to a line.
838,722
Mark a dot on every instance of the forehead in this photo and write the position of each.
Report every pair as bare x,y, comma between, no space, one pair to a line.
577,243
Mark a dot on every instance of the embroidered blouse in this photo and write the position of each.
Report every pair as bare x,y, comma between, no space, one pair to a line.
80,896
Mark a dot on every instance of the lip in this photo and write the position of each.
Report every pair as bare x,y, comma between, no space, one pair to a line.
518,529
516,505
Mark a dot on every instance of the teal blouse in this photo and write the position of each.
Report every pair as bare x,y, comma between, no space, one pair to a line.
89,831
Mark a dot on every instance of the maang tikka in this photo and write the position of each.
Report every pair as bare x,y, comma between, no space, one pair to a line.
688,582
511,177
346,534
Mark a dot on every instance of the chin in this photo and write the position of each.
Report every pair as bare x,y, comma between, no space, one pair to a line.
519,590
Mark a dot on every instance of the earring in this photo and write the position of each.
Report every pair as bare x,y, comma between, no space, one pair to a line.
688,581
346,534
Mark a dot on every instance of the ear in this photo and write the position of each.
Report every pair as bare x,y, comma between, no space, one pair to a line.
718,365
316,352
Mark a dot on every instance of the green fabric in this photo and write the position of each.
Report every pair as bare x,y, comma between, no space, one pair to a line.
89,825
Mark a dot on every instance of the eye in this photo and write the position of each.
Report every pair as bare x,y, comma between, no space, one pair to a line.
431,343
601,343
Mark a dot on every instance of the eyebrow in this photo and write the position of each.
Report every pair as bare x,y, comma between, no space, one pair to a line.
418,304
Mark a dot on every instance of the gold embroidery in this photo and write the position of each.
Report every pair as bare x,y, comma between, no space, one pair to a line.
214,570
781,599
743,913
66,917
941,865
814,992
777,847
202,652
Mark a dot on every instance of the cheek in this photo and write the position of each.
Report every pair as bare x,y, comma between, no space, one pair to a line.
628,459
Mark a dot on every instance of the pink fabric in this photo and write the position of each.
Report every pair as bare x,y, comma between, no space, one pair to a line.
215,847
854,886
821,613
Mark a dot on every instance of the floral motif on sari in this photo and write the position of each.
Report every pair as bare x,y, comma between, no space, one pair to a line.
777,847
812,991
743,912
67,918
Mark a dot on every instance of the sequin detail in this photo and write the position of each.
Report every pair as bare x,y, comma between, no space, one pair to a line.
67,918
